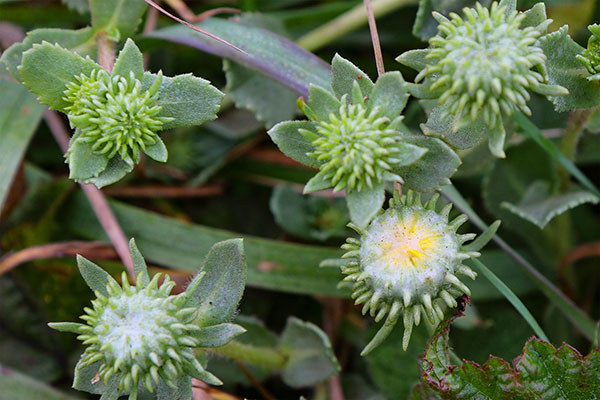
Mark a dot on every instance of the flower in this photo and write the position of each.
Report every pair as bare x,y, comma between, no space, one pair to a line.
481,67
356,147
114,115
406,263
591,56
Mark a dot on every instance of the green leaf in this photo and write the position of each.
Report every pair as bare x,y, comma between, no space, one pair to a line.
220,290
273,265
420,176
183,391
188,99
535,16
95,277
71,327
115,170
510,296
139,264
47,69
309,217
541,371
310,356
363,205
323,103
425,25
268,53
130,59
389,94
540,206
157,151
81,6
17,386
292,143
484,237
534,133
466,136
80,41
84,376
217,335
84,163
511,5
119,18
20,114
275,103
414,59
565,70
317,183
343,75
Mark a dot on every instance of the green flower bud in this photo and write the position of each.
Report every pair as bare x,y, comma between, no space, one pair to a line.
591,56
406,263
356,147
482,66
141,335
114,114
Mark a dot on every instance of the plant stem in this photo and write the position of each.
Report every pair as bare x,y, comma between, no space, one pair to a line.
263,356
106,51
347,22
568,145
374,37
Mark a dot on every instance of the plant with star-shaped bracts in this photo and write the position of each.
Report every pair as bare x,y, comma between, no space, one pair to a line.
480,69
117,115
143,339
355,137
591,56
405,264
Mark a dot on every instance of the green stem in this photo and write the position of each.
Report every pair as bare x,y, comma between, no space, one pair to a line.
263,356
568,145
347,22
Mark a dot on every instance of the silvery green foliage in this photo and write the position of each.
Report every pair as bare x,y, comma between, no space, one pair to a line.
480,68
355,137
141,338
116,116
405,264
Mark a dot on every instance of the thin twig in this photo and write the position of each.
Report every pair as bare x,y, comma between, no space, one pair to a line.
55,250
261,389
375,38
168,14
96,198
184,11
164,191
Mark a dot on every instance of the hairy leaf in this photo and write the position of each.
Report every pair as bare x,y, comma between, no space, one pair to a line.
364,204
425,25
119,18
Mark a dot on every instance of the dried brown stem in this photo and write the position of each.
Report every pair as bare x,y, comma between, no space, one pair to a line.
95,197
56,250
262,390
164,191
374,37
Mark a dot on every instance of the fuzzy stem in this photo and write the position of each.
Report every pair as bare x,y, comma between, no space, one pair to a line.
347,22
263,356
106,51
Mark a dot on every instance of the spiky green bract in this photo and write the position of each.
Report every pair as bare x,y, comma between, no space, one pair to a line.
356,147
591,56
406,264
480,67
114,114
141,335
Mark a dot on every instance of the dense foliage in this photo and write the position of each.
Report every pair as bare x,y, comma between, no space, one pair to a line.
281,185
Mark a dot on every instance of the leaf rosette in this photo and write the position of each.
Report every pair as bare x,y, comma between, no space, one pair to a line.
117,115
355,137
480,68
141,338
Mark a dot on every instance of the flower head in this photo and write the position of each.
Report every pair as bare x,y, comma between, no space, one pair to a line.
406,262
482,66
141,335
591,56
114,114
356,147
